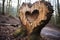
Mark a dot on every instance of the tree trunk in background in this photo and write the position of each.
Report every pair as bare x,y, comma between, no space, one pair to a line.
43,0
3,7
8,6
58,16
58,5
18,8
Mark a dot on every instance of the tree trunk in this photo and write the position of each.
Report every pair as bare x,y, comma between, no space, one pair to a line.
18,8
8,6
43,0
3,7
33,20
58,6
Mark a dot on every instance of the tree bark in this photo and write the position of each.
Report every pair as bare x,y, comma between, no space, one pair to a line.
33,27
3,7
18,7
58,6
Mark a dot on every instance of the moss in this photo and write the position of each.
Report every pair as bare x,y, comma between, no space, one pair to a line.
20,32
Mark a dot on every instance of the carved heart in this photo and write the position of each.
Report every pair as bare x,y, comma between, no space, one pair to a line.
31,15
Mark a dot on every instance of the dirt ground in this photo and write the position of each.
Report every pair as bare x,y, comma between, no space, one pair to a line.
6,29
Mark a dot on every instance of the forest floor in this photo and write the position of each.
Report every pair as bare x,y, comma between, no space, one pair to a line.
49,32
6,29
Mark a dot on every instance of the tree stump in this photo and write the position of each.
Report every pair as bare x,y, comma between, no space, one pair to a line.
34,17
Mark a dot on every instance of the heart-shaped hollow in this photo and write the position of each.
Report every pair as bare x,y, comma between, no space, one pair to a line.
32,16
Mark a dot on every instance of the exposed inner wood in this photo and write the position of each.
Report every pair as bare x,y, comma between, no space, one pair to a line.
32,16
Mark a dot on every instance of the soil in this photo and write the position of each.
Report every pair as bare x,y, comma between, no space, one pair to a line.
6,30
51,32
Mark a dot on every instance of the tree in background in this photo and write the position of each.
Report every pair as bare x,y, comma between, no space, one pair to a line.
58,16
58,5
3,7
43,0
18,7
8,6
